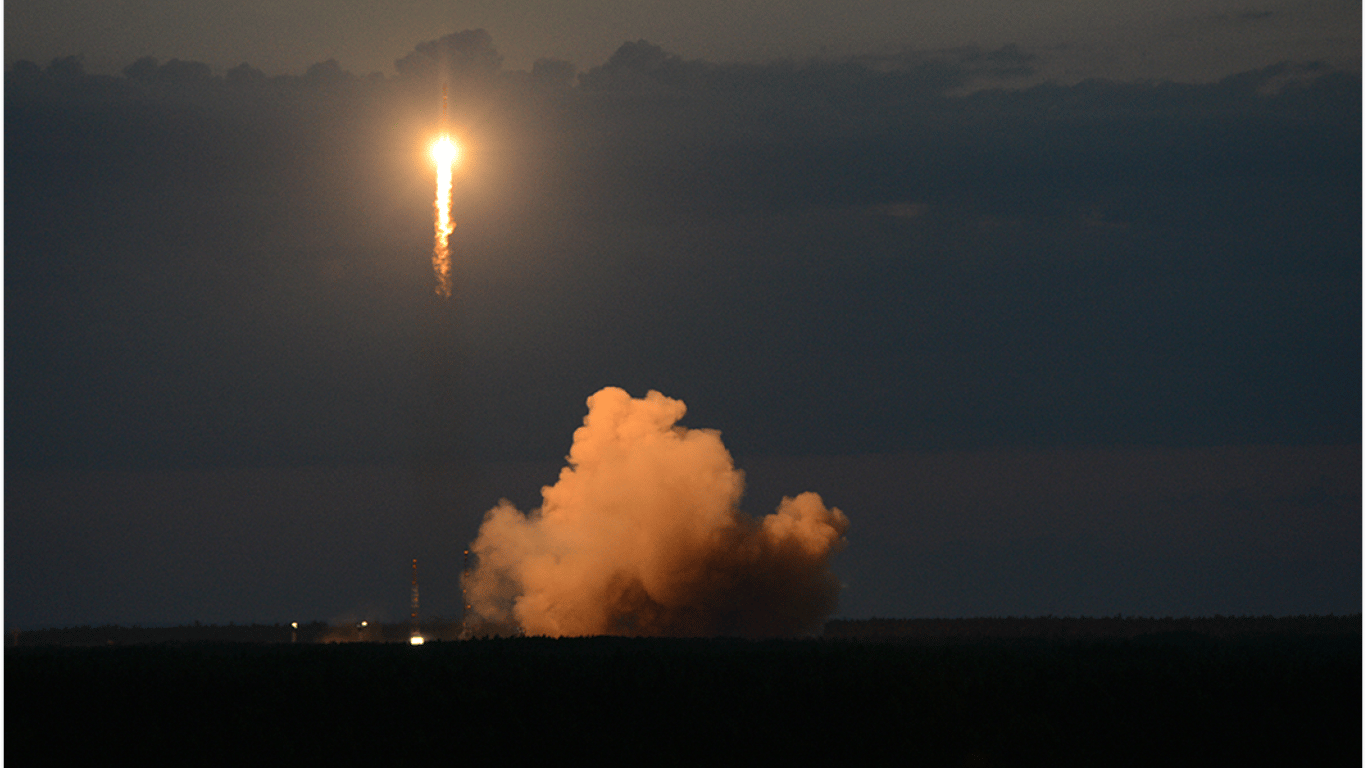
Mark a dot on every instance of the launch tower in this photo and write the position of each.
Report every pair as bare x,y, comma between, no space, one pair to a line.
415,637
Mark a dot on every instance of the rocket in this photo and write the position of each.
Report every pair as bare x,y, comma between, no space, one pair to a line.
444,111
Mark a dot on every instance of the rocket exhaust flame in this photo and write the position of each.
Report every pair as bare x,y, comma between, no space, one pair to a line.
444,153
643,535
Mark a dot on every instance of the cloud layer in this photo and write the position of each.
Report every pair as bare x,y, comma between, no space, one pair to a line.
239,265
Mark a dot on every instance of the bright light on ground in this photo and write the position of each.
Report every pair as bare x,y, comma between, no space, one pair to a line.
415,640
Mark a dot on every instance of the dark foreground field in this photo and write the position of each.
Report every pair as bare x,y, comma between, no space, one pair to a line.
1180,697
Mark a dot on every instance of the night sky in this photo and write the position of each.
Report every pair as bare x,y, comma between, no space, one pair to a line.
1059,303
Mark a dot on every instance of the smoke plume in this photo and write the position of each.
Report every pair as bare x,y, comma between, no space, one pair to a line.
642,535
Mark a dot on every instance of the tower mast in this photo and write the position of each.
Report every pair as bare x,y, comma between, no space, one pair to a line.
415,637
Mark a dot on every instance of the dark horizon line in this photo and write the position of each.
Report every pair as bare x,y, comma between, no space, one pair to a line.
1009,617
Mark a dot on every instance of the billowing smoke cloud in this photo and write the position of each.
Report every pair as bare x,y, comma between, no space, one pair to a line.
643,535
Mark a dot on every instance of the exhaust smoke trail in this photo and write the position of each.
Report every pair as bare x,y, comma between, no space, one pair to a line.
444,154
642,535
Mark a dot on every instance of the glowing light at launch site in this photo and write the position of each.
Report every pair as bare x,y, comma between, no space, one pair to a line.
444,153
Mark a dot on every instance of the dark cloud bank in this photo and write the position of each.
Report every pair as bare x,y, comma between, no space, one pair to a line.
213,275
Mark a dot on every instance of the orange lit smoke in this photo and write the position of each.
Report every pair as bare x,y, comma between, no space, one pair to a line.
443,154
643,535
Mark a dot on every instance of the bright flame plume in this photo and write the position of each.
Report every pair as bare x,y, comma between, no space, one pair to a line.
444,153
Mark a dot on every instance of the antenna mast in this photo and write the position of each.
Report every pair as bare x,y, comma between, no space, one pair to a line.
465,599
416,636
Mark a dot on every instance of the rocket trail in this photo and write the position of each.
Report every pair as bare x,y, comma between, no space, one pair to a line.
444,154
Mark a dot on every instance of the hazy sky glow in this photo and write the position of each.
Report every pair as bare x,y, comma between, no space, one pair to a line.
1200,40
1059,303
